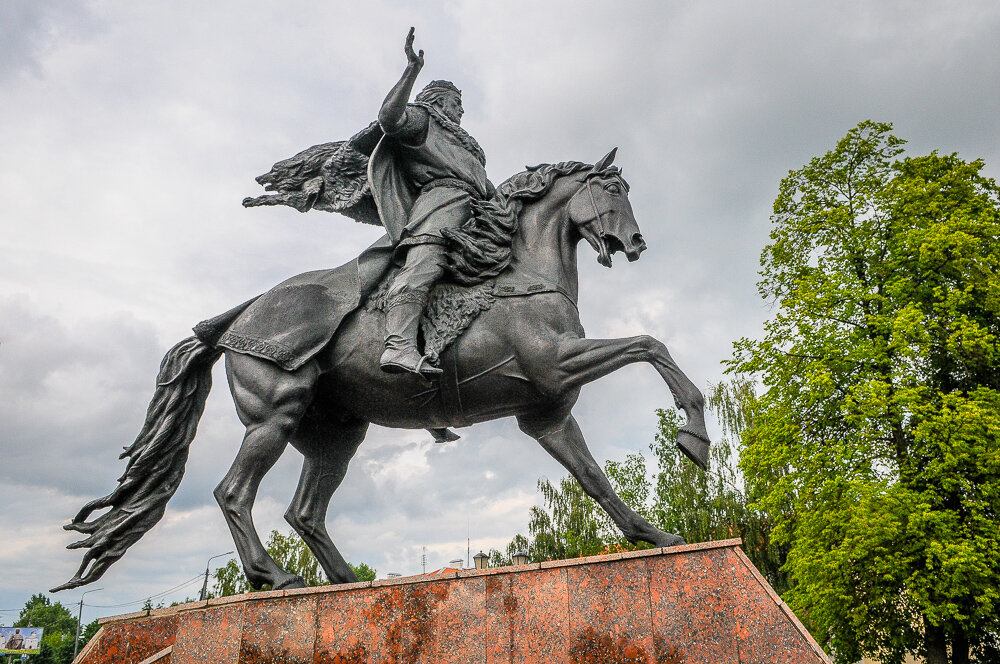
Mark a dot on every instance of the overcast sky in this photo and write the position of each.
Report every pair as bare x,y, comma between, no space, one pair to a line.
130,132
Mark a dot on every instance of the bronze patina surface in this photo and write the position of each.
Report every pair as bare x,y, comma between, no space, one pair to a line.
317,359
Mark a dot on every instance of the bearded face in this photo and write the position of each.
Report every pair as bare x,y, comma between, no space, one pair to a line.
451,105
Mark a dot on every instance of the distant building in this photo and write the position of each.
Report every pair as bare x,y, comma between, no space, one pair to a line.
453,566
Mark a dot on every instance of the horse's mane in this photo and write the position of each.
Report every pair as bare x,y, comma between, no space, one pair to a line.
480,248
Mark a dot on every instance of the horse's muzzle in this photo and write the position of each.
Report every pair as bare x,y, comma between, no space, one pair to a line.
613,244
635,246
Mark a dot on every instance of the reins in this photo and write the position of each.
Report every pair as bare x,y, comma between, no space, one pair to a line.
593,201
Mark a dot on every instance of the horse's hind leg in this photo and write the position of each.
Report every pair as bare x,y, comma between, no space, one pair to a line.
328,447
562,438
270,402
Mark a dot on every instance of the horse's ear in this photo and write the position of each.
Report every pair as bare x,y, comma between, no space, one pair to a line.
608,159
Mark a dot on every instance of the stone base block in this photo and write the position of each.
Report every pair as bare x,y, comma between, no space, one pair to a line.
686,604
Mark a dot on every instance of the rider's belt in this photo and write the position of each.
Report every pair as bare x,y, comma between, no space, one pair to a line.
455,183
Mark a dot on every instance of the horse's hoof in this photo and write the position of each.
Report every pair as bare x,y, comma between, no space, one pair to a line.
295,581
694,447
670,539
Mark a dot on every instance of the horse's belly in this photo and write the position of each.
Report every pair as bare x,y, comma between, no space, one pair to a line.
484,384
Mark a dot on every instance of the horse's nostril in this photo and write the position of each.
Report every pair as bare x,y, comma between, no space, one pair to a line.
637,239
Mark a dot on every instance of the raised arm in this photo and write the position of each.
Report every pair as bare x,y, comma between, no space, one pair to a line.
392,115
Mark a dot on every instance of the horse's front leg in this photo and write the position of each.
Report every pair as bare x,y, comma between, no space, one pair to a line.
565,442
581,361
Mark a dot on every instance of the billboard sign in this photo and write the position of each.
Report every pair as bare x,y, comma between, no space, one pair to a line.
20,640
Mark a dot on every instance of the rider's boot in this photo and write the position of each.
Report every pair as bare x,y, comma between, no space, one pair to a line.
402,320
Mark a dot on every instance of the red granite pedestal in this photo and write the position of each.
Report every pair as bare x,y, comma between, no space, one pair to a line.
694,603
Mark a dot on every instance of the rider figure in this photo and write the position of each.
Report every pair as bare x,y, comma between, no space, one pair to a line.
432,156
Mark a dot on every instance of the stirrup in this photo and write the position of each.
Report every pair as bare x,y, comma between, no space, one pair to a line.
421,368
429,370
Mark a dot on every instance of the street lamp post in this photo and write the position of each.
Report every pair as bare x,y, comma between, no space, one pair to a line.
204,586
79,617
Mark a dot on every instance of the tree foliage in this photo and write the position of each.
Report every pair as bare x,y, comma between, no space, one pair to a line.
289,552
875,443
364,572
59,626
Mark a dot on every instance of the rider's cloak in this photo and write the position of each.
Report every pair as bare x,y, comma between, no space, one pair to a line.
293,321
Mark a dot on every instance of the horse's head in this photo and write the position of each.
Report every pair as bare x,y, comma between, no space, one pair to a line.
601,212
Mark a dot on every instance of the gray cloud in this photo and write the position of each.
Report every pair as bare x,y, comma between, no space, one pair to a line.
30,30
131,133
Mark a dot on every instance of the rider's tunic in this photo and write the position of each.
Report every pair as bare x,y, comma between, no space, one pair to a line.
424,176
423,179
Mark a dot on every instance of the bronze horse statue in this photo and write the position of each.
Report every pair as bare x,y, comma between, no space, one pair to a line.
526,356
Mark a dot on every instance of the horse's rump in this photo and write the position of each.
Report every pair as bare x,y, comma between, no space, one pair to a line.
293,321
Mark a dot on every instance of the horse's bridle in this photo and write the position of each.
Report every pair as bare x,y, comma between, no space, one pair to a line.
593,201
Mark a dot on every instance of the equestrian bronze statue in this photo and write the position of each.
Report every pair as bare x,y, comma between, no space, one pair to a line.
464,311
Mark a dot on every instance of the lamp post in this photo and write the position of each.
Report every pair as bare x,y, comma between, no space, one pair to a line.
79,617
481,560
204,586
521,557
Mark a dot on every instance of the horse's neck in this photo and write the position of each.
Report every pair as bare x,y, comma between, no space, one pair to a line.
544,243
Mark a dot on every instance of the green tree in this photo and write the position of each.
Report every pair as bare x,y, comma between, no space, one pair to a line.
570,525
59,626
874,447
363,571
41,612
697,505
703,506
291,553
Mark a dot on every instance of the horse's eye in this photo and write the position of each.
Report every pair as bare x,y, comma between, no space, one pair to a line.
613,188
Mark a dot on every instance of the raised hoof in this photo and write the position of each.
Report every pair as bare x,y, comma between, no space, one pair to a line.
694,447
291,582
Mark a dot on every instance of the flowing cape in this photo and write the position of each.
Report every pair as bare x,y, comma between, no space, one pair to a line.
392,193
293,321
361,178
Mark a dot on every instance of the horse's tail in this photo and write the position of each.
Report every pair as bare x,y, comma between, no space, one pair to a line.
156,462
